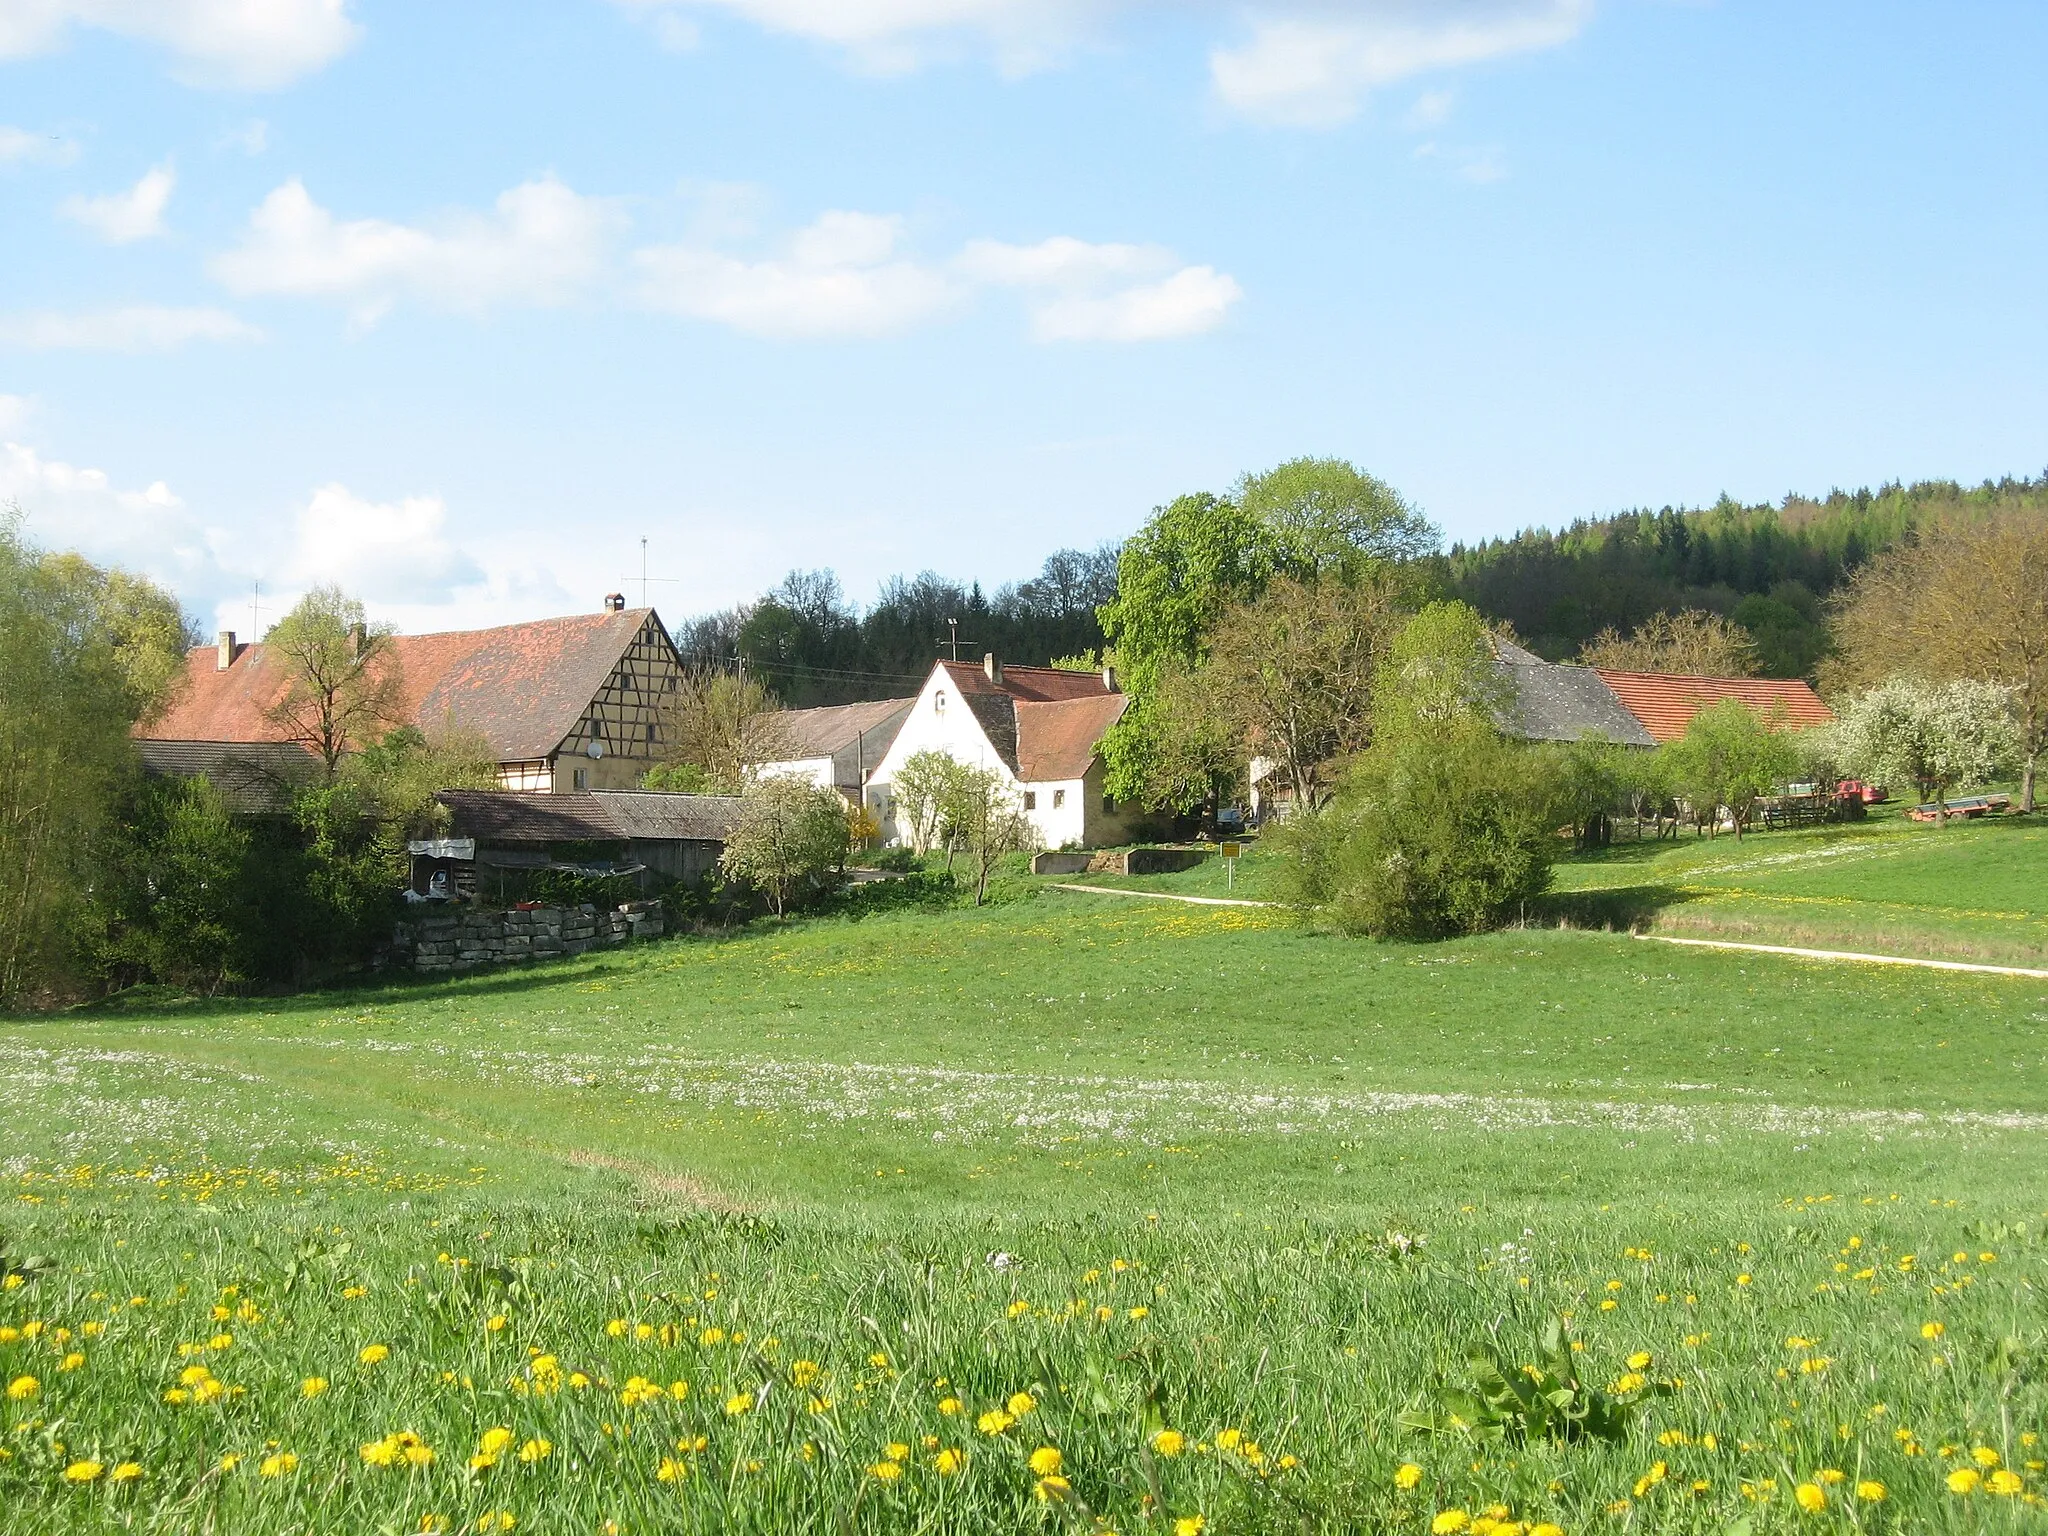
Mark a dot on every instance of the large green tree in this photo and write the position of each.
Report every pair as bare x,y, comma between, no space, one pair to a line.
1325,517
84,655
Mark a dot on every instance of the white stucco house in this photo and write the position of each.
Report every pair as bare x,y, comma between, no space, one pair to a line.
1042,727
837,746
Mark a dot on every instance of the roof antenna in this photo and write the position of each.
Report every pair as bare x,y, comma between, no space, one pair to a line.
646,580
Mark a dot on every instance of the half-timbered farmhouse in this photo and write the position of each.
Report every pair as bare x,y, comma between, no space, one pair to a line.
566,704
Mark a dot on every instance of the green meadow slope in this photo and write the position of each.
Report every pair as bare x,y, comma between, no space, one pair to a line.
836,1224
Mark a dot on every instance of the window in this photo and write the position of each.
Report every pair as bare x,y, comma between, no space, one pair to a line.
939,702
583,778
650,730
1109,805
1030,799
1059,798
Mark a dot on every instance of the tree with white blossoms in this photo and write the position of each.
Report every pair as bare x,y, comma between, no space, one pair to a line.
1939,736
791,835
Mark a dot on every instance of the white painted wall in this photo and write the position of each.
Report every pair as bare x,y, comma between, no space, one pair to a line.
816,769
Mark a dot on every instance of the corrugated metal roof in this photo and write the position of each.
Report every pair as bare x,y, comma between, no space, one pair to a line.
1665,704
255,778
590,816
523,687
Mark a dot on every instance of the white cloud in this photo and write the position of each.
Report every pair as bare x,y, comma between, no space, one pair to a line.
1084,292
399,551
839,277
542,244
133,328
1312,67
121,218
13,412
1432,109
1305,62
18,146
149,530
890,36
247,44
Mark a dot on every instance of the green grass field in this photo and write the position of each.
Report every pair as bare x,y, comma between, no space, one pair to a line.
836,1225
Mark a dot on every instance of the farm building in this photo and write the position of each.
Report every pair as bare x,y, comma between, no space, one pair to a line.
254,778
497,837
567,704
836,747
1040,727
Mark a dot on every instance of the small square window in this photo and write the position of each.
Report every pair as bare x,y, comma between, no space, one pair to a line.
939,702
583,778
1030,799
1059,798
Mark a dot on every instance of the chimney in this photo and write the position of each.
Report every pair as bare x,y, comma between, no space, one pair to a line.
615,602
1109,678
225,653
358,640
992,667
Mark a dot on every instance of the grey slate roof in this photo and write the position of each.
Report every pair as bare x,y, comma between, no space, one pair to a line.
518,817
254,778
1554,703
854,736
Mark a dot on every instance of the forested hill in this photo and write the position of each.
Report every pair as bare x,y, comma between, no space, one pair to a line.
1766,567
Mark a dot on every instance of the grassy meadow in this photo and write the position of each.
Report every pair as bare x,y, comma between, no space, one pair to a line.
1070,1215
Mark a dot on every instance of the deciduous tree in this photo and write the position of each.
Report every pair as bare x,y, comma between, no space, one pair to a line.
1729,756
1937,736
1693,643
988,820
1965,600
721,723
343,687
790,836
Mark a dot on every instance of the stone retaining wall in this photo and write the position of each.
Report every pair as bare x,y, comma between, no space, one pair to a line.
462,939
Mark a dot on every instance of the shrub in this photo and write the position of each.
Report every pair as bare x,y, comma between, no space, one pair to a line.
791,837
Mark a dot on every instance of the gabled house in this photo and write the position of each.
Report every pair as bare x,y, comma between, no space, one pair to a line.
1551,702
838,746
566,704
1040,727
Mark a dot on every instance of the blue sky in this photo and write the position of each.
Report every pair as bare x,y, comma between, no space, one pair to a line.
457,302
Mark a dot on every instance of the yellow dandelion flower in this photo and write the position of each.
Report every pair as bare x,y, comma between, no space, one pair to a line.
1045,1461
617,1327
896,1450
1640,1360
671,1470
230,1461
497,1521
1810,1498
71,1362
126,1472
2004,1483
312,1386
495,1323
886,1471
278,1465
1984,1456
738,1404
1448,1521
22,1388
1017,1308
83,1472
1870,1491
1021,1403
374,1354
1829,1476
1052,1488
1407,1475
535,1449
1169,1442
1190,1525
1546,1528
951,1406
949,1461
994,1422
803,1373
1964,1480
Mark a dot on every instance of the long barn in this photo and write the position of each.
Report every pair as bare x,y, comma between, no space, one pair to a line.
566,704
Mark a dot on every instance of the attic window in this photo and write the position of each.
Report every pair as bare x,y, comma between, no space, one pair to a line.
1030,799
1059,798
939,702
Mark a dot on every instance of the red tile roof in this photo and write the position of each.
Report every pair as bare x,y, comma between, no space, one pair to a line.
1056,739
522,686
1039,684
1666,703
1044,722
